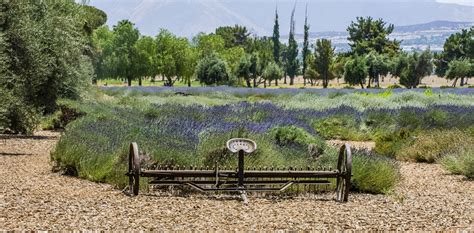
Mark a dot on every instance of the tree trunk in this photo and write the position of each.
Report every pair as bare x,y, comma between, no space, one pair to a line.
248,83
276,82
368,86
292,80
255,82
129,81
304,81
140,81
189,82
362,85
284,81
455,81
462,82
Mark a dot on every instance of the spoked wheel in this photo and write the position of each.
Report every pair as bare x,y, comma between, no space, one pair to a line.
344,166
134,169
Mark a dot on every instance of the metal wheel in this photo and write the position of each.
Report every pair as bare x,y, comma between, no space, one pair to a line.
134,169
344,166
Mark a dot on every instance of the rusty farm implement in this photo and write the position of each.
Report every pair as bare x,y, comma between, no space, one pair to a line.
240,180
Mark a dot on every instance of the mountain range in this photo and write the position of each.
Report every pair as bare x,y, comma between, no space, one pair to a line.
189,17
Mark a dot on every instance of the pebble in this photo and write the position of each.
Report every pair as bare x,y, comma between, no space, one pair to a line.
34,198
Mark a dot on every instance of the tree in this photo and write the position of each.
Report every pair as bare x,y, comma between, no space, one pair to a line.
211,70
190,63
208,44
377,66
324,60
236,36
102,51
263,48
419,65
292,52
45,52
93,18
399,63
232,57
172,57
272,72
459,69
276,39
457,46
355,71
243,71
125,52
311,74
146,55
306,50
367,34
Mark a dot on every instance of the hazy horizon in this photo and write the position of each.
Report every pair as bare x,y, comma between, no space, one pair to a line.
189,17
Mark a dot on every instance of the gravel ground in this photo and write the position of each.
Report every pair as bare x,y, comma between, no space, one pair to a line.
34,198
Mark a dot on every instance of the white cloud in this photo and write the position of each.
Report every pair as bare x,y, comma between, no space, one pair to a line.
460,2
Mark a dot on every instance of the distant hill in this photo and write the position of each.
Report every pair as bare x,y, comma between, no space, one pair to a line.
189,17
413,37
435,25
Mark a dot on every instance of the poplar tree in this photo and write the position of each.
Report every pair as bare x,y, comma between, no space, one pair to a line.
305,44
292,54
276,39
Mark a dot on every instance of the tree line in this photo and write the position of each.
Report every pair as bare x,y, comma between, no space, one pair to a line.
232,56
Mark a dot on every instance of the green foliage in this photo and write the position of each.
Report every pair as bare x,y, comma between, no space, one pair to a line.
355,71
17,116
213,71
418,66
44,47
175,57
377,65
374,173
390,143
324,61
459,69
341,127
272,72
433,145
292,51
367,34
460,163
290,135
276,40
125,54
306,51
236,36
458,46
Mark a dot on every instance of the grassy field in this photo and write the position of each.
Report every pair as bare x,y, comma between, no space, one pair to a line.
190,129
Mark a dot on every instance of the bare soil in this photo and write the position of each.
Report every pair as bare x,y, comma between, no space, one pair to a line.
34,198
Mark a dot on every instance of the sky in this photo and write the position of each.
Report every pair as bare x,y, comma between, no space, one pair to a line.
460,2
189,17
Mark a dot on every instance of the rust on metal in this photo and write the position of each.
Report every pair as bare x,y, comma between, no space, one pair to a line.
266,179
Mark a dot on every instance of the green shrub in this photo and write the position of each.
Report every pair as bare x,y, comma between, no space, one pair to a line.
394,86
460,163
430,146
374,173
17,116
341,127
388,144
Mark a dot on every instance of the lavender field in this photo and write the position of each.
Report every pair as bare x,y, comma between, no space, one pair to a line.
177,129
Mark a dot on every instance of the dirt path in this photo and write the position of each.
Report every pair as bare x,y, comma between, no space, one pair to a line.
34,198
